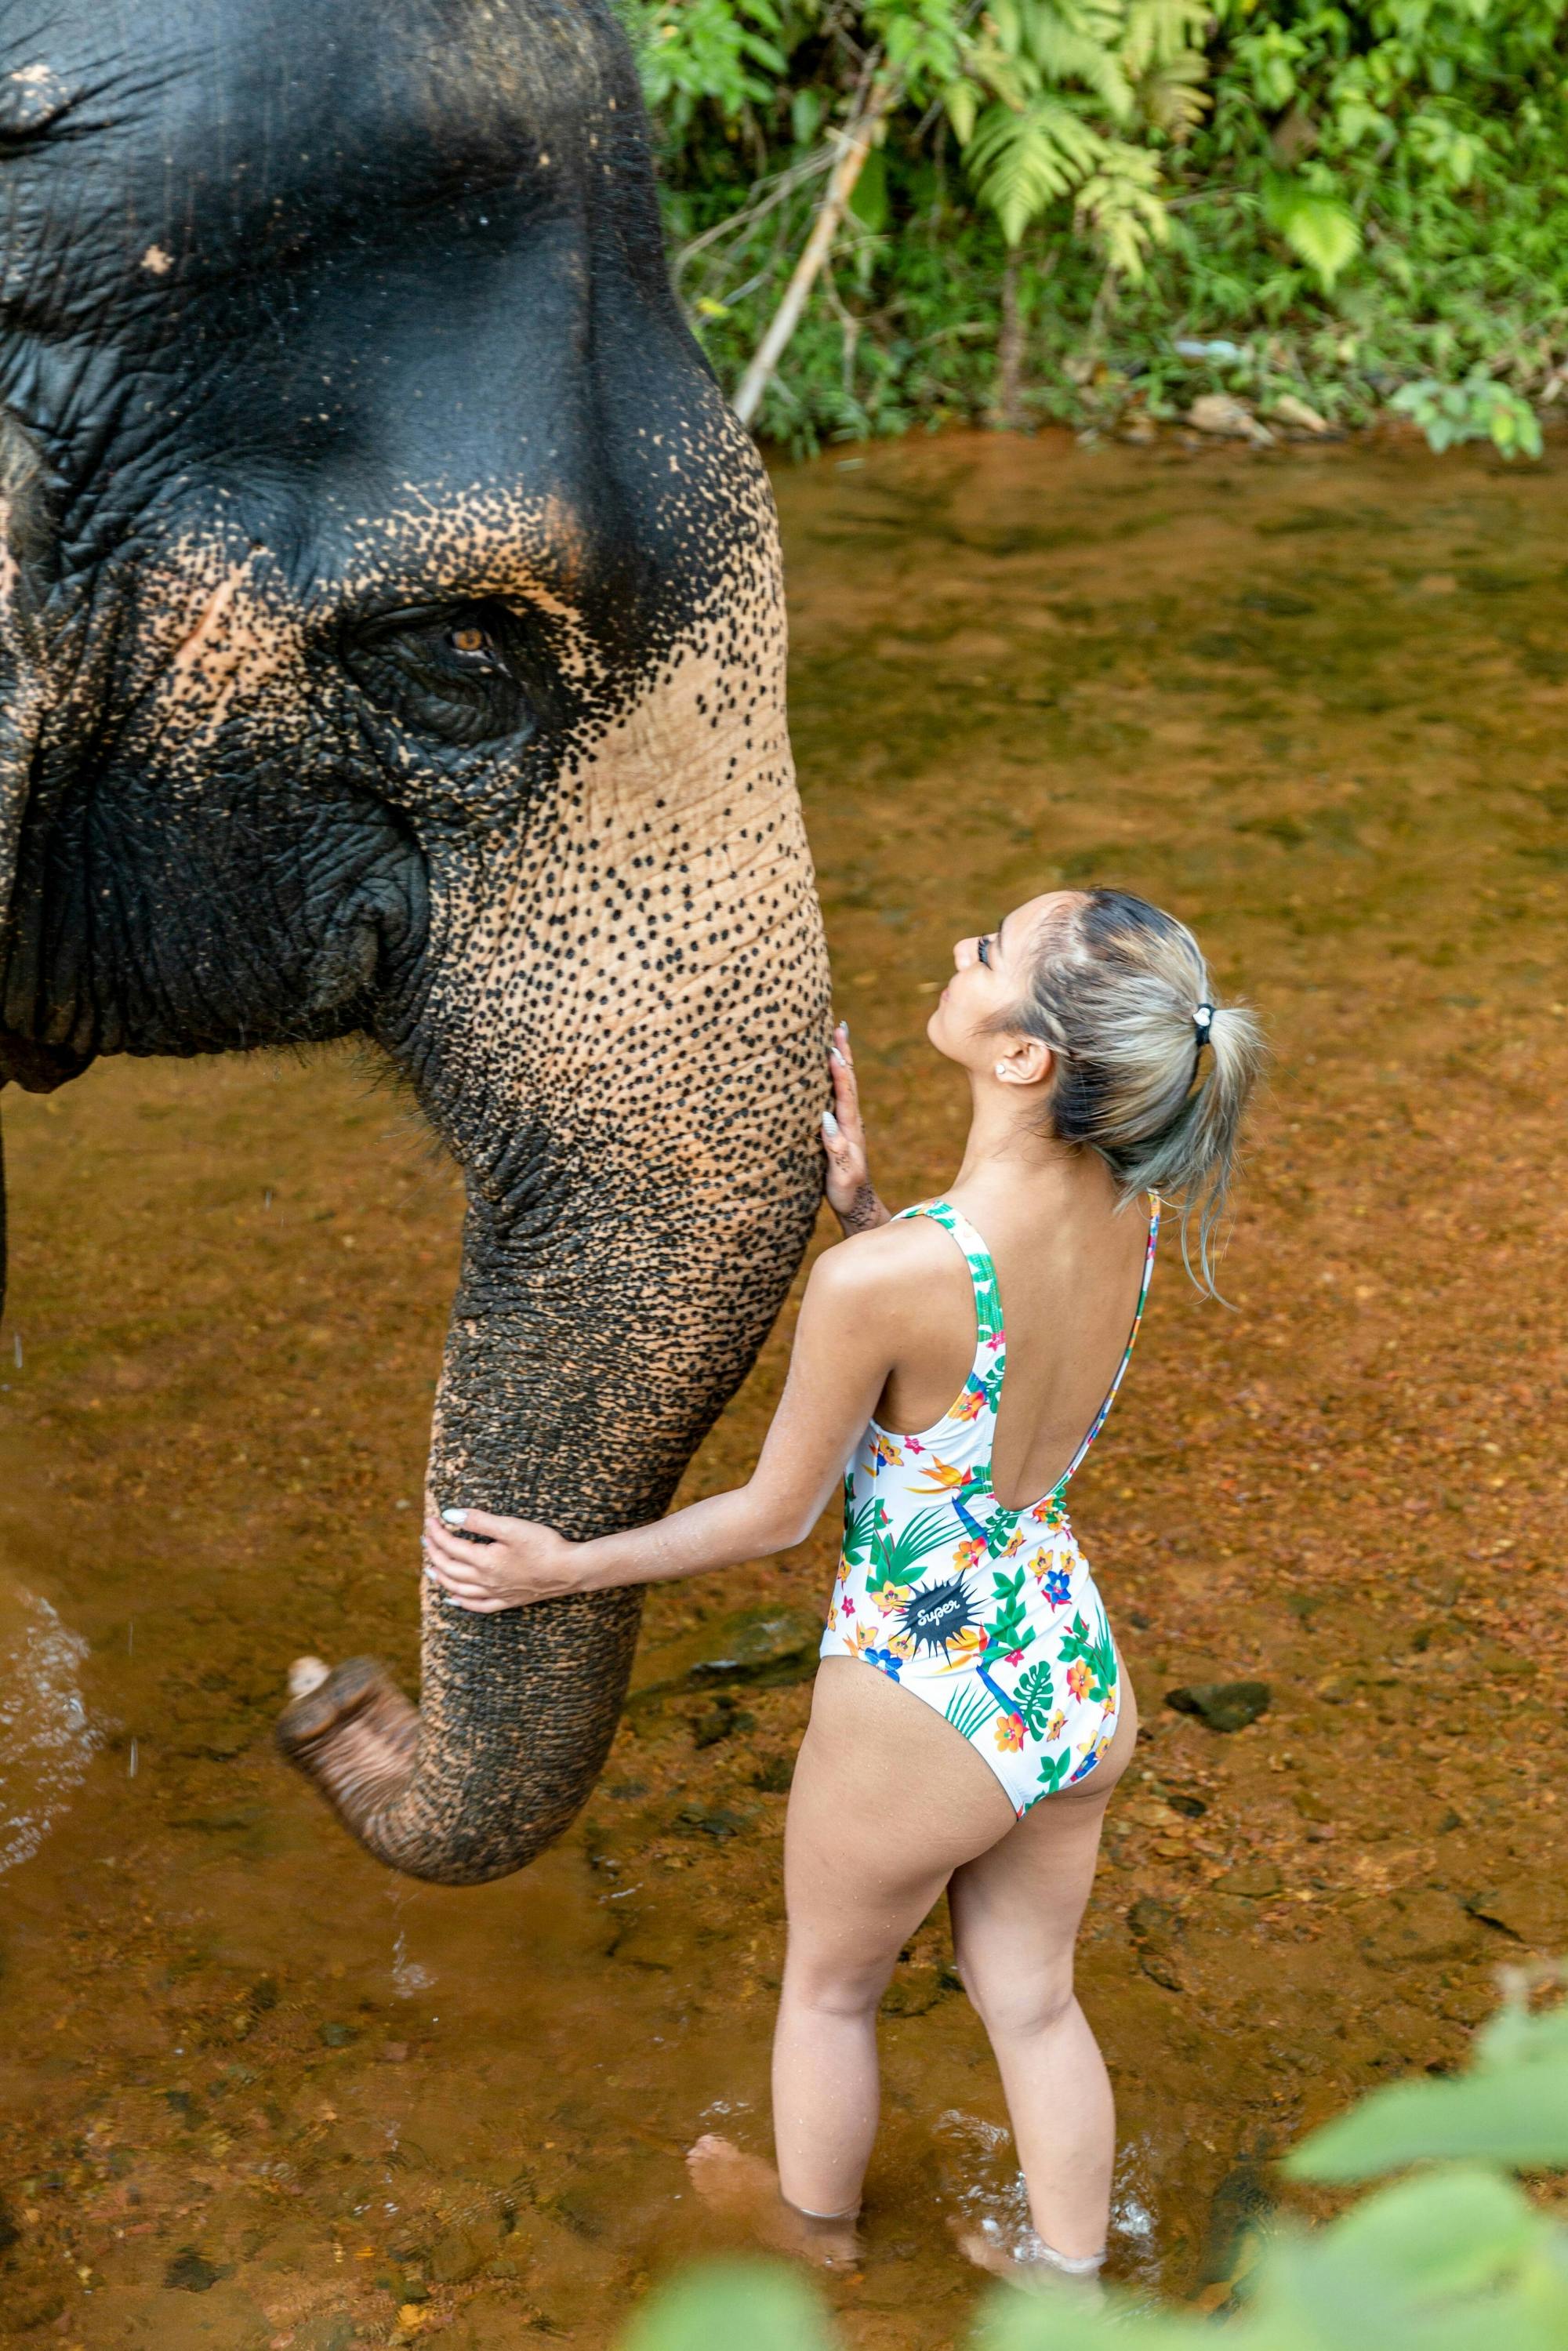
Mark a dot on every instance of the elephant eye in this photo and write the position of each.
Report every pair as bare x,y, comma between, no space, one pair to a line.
466,676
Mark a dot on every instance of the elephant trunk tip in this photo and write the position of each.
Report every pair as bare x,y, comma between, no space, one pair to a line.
307,1674
356,1738
352,1732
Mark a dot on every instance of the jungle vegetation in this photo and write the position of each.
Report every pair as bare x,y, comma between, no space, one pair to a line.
1098,211
1451,2256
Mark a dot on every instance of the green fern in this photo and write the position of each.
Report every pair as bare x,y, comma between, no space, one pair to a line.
1121,202
1069,83
1023,158
1318,228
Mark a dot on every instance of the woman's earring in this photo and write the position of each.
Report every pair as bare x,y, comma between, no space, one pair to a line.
1001,1068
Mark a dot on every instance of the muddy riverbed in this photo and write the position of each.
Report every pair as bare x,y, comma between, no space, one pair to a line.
253,2091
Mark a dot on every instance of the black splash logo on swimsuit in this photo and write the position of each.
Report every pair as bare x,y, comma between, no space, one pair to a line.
934,1617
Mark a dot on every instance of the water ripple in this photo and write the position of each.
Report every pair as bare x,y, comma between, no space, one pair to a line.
47,1738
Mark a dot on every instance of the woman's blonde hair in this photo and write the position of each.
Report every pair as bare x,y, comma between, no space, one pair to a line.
1121,993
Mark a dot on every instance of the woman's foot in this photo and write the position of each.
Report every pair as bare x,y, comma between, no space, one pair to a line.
744,2188
1035,2266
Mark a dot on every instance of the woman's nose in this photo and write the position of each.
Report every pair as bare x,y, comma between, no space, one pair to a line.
962,953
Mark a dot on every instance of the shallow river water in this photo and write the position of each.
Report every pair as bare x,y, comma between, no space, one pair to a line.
253,2091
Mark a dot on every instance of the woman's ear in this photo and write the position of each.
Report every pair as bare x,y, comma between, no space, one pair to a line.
1023,1062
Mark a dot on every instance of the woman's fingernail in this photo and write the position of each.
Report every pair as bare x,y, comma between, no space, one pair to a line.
455,1518
433,1575
834,1055
829,1123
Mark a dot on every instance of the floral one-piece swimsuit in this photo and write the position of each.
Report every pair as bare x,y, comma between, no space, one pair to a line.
990,1615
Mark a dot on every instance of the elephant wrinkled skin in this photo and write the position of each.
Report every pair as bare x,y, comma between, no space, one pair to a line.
392,640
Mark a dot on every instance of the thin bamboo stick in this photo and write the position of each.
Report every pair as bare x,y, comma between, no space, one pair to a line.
858,138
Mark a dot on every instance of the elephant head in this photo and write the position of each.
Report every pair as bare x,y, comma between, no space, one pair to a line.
392,641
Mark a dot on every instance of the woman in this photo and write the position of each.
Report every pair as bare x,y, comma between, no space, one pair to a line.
971,1715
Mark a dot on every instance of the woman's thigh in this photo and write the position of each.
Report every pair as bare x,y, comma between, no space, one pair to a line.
888,1801
1017,1907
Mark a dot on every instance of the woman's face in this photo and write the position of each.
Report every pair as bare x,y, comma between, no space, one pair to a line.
991,976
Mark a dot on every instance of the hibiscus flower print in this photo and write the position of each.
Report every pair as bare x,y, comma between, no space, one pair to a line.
882,1453
1056,1583
1077,1676
966,1553
1009,1733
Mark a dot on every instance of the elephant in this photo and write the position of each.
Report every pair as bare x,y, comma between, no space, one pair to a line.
391,642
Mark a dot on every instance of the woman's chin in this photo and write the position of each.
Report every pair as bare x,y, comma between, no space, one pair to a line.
936,1032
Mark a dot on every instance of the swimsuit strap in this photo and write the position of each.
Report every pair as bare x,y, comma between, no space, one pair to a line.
991,1338
1100,1417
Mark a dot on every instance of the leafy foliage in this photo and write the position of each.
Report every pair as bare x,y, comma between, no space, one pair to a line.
1479,409
1453,2257
1359,202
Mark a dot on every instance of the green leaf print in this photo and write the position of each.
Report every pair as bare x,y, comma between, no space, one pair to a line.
1098,1652
899,1561
1034,1696
859,1526
1007,1630
1053,1771
969,1709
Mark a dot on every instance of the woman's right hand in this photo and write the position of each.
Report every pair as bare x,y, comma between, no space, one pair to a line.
851,1195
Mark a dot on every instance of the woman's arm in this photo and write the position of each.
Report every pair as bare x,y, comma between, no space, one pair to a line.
852,1319
851,1195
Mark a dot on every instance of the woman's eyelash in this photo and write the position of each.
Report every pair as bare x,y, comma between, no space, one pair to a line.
983,949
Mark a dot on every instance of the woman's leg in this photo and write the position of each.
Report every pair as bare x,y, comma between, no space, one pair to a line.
1016,1912
888,1801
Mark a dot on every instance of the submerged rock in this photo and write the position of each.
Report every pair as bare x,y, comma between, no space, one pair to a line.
759,1647
1254,1880
191,2273
754,1648
1533,1909
1223,1706
1420,1924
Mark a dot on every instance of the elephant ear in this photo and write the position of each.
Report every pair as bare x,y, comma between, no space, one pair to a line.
23,531
22,497
25,702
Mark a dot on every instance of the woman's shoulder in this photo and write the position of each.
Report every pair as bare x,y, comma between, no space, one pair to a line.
888,1263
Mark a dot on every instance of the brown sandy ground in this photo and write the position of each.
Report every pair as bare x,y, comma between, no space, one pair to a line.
252,2091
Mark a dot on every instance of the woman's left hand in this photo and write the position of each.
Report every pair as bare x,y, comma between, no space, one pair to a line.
521,1562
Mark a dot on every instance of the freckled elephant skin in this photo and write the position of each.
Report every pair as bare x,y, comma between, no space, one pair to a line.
391,639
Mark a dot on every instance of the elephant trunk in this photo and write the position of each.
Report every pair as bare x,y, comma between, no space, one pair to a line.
577,1382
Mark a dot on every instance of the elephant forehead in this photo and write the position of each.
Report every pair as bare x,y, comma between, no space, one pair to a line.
502,540
675,619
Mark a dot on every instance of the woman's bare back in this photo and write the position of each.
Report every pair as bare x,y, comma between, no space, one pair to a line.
1070,1267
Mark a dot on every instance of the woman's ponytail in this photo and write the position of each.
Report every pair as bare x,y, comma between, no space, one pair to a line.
1151,1073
